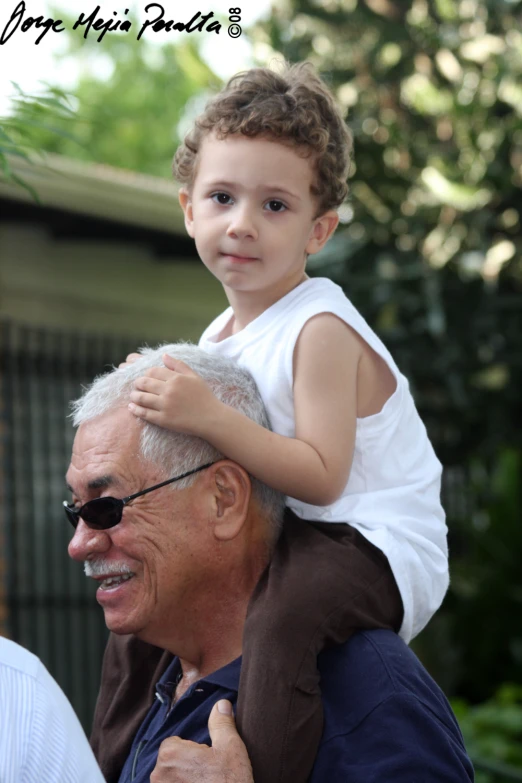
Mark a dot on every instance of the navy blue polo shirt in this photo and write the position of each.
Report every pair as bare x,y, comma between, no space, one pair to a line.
385,719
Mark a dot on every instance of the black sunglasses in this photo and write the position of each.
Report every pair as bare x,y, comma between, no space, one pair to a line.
103,513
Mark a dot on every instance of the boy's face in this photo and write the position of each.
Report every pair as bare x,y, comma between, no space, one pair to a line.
252,214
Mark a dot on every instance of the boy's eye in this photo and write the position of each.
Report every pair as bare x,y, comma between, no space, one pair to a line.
221,198
274,205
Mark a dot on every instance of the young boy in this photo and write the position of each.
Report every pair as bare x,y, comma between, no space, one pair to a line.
263,172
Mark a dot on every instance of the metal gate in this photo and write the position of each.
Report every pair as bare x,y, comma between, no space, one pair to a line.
48,604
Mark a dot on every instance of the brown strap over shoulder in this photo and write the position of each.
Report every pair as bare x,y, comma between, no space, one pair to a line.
130,671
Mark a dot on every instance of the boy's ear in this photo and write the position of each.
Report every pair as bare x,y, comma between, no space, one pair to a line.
186,206
322,230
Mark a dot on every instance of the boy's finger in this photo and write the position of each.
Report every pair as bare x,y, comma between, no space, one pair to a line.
150,385
145,400
177,365
147,414
131,358
161,373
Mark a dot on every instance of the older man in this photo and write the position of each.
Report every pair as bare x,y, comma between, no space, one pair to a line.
177,537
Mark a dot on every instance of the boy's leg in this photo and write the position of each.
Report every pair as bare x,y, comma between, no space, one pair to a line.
324,582
130,671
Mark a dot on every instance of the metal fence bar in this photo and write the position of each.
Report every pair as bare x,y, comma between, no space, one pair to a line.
51,608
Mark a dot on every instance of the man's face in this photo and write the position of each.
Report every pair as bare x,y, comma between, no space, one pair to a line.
251,213
147,565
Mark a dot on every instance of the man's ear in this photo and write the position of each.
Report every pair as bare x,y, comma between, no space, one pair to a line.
232,490
186,205
322,230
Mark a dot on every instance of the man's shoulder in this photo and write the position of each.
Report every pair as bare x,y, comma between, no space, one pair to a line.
370,669
16,659
38,726
385,718
27,672
31,687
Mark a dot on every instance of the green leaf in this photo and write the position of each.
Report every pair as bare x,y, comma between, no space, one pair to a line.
5,137
25,185
5,165
57,104
15,151
17,88
44,126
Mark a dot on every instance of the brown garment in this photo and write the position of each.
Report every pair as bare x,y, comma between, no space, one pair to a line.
324,582
131,668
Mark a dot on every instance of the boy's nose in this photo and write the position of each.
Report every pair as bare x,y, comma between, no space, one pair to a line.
86,542
242,225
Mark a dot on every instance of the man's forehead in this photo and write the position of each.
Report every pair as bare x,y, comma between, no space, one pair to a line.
103,450
102,436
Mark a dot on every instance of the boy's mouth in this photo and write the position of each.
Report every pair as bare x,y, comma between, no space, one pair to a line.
239,259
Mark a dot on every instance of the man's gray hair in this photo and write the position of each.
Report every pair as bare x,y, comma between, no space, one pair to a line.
175,452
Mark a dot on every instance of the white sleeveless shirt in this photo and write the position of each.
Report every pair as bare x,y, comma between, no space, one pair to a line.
393,492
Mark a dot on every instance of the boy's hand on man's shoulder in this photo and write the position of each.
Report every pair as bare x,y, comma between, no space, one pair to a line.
174,397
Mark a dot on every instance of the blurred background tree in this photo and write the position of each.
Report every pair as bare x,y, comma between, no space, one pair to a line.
130,106
33,114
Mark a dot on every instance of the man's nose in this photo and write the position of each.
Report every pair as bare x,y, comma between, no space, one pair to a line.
86,542
242,224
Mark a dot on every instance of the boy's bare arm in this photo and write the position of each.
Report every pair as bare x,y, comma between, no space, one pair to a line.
312,467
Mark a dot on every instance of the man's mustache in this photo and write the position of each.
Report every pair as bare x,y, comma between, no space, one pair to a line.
101,567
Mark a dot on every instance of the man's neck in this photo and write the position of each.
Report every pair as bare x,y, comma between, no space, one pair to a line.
191,673
218,644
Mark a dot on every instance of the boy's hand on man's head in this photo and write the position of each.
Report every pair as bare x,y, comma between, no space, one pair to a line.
174,397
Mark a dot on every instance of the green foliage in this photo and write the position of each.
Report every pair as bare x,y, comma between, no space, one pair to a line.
128,114
493,735
33,114
475,642
431,252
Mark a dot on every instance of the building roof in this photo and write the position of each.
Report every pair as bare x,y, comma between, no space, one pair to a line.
97,190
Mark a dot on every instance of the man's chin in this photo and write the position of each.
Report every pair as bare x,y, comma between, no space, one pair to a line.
126,623
121,626
144,634
120,622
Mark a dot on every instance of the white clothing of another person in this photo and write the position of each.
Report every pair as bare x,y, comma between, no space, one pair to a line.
41,739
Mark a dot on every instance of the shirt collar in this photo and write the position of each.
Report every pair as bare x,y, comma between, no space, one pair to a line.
227,677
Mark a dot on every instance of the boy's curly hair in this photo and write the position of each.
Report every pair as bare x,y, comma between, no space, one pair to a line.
294,108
